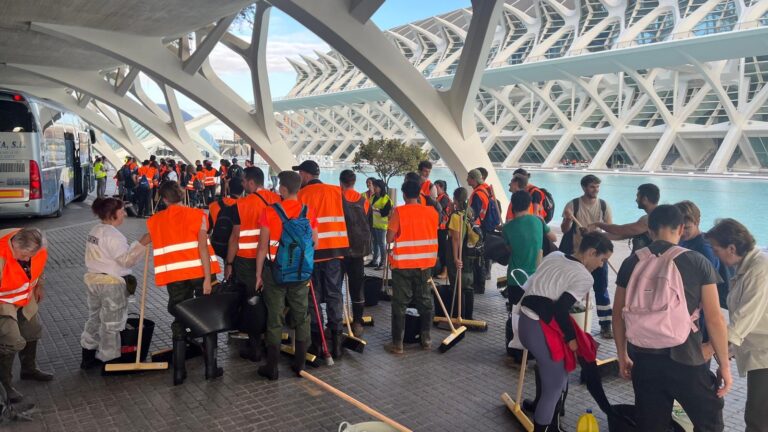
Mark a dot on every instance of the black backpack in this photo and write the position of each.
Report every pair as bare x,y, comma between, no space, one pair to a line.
548,204
235,171
358,230
566,244
222,229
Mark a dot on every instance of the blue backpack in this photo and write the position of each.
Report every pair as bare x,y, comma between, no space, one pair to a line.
144,183
295,256
492,215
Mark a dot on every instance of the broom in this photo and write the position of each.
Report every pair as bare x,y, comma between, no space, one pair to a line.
514,405
138,366
472,324
457,334
326,353
290,350
351,342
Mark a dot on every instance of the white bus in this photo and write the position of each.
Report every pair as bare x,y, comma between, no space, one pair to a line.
45,157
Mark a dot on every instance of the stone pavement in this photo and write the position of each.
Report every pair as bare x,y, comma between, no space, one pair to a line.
426,391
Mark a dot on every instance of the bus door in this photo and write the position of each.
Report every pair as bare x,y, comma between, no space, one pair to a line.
73,161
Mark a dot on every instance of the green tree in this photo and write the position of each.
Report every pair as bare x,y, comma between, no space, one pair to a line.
388,157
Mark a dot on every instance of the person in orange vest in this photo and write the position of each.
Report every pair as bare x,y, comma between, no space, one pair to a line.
200,186
516,184
446,207
413,230
241,255
537,195
487,216
22,262
356,209
223,177
427,187
144,187
293,295
209,181
184,263
333,245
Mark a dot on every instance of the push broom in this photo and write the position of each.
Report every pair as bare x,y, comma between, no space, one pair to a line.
471,324
138,366
457,334
290,350
515,405
326,353
351,342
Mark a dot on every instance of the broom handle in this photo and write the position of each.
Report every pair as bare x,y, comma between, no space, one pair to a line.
440,300
521,379
347,313
141,308
368,410
326,353
460,271
586,314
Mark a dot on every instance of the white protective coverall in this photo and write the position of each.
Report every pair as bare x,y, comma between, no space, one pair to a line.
108,258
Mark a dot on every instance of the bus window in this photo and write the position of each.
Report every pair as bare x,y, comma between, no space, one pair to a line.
15,117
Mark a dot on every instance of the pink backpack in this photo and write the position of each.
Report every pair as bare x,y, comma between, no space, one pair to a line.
656,312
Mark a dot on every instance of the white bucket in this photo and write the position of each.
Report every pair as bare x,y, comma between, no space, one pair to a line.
372,426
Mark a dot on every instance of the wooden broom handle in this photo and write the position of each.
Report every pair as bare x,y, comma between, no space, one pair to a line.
347,313
141,309
440,300
521,379
368,410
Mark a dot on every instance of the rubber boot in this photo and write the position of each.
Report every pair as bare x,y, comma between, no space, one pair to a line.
316,345
212,370
89,360
179,361
540,428
252,349
530,405
269,370
29,370
357,319
337,351
469,304
6,365
299,357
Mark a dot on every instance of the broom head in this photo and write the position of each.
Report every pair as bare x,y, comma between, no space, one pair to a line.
452,339
354,343
517,411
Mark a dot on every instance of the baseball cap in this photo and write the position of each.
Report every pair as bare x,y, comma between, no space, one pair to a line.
308,166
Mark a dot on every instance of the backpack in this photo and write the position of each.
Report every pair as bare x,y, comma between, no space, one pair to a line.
294,260
222,229
235,171
143,183
656,311
548,204
492,217
567,245
358,230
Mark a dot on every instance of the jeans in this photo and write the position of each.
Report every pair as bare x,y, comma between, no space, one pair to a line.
101,187
326,282
379,245
143,197
107,314
353,268
757,401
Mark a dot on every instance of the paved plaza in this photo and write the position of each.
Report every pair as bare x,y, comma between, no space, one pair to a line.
426,391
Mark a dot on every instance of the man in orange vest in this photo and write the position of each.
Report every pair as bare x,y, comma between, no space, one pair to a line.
144,187
22,261
333,245
446,207
209,181
241,255
184,262
356,208
413,229
427,188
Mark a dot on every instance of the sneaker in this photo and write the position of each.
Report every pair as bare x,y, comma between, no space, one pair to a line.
606,332
394,349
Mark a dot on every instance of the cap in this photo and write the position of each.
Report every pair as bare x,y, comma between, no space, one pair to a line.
475,175
308,166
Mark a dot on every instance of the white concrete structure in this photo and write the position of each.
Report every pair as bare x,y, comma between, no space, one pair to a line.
639,84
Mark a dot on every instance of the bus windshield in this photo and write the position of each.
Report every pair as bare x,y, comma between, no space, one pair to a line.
15,117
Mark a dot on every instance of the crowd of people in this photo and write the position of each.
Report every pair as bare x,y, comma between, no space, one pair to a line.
295,247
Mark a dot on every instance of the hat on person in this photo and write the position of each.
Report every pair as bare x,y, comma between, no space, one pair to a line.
475,175
308,166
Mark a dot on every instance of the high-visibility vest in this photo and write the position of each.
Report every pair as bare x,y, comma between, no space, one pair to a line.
15,286
98,171
445,204
210,177
214,208
379,221
250,208
511,213
425,187
191,183
175,249
484,193
325,201
148,172
415,246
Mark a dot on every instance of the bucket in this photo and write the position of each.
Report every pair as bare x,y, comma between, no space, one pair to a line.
372,291
412,326
371,426
129,339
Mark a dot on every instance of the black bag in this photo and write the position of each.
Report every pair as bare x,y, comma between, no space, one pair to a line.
496,248
412,332
222,229
209,313
129,339
358,230
372,291
446,295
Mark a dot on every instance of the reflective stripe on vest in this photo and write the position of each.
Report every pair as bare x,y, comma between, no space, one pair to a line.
250,209
325,201
416,244
15,286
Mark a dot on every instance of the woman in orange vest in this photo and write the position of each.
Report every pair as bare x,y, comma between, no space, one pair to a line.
22,261
209,181
413,229
184,262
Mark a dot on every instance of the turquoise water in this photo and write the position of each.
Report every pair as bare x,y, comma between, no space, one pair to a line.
742,199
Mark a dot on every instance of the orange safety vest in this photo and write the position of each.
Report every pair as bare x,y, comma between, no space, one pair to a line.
210,177
484,199
511,214
15,286
214,208
415,246
325,201
174,240
446,214
250,208
191,183
425,187
149,173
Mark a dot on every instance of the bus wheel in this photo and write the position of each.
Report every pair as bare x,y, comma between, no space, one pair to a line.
60,210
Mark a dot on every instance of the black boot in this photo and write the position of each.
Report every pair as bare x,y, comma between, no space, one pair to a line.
337,351
357,319
252,349
269,370
29,370
89,360
540,428
299,357
179,361
469,304
6,375
530,405
316,345
212,370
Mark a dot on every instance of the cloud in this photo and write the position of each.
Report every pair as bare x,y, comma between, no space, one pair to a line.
226,61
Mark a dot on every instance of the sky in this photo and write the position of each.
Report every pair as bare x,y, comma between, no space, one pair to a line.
289,39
